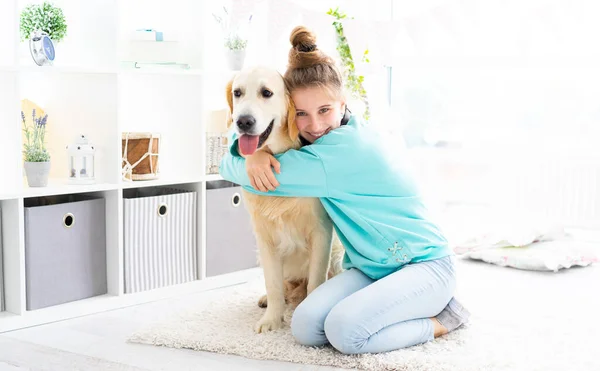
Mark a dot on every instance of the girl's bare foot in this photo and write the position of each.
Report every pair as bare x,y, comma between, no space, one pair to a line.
438,328
453,316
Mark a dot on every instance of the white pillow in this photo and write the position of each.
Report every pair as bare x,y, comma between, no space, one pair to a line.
511,235
541,256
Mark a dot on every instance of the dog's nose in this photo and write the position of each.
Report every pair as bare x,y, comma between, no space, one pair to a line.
245,122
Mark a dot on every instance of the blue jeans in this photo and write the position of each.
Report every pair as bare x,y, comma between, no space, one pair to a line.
357,314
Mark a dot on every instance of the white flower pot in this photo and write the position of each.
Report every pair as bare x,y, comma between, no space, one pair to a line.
235,59
25,58
37,173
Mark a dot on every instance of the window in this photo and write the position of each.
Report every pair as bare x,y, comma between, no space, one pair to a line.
478,74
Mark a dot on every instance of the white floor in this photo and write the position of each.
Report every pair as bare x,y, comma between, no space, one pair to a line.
97,342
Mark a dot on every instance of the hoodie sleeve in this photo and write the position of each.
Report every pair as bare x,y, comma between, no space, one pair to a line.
302,173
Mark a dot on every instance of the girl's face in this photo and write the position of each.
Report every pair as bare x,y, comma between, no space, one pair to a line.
316,112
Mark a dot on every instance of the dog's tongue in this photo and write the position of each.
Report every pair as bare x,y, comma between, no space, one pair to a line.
248,144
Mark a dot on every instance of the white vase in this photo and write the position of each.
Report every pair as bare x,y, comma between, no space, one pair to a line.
37,173
25,58
235,59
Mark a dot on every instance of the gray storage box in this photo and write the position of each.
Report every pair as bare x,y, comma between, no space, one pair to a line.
230,241
65,249
160,238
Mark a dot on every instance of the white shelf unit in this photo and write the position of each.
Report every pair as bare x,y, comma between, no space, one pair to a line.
88,91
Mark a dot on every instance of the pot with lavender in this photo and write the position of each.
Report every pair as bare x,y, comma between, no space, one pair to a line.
36,157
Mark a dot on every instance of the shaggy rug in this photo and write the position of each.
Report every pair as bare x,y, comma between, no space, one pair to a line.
225,326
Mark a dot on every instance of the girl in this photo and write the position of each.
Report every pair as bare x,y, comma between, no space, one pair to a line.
398,286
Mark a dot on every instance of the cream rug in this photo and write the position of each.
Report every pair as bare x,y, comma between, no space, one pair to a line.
225,326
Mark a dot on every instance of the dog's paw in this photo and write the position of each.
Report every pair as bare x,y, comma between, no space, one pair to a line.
268,323
262,302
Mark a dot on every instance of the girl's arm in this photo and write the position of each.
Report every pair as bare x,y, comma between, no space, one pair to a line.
302,173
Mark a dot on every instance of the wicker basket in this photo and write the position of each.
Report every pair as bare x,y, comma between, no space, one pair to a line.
216,147
140,156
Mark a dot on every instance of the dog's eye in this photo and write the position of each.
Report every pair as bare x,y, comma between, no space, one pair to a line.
237,93
267,93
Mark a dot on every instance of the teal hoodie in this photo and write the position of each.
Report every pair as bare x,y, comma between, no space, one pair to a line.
367,191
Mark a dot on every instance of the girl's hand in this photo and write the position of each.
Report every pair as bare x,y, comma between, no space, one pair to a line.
258,167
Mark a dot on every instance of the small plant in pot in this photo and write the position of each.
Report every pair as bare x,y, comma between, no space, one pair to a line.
42,25
236,51
234,43
35,155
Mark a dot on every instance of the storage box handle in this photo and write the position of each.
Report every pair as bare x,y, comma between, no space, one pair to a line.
68,220
236,199
162,210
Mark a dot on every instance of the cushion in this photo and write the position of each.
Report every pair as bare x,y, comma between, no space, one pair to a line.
540,256
522,240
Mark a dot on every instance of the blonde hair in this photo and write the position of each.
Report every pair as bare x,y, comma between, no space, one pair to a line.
308,66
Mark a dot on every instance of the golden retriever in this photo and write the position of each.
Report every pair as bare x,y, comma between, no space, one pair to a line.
294,235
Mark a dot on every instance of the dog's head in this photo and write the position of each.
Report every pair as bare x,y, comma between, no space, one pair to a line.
262,110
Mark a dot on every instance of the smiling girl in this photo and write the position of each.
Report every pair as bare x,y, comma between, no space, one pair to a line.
398,286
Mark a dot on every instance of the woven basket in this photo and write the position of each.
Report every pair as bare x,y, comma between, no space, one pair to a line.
140,156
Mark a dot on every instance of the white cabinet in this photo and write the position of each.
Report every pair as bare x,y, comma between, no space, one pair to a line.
94,89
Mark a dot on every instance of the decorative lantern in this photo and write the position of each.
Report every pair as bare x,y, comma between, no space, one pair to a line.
81,161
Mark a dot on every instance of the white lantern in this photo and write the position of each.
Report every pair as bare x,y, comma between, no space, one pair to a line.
81,161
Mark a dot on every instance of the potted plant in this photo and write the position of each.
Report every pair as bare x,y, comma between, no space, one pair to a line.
234,43
236,51
39,21
36,157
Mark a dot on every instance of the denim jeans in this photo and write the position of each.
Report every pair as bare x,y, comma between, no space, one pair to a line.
357,314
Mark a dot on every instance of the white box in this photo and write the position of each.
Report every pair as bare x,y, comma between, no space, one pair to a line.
154,51
228,252
160,238
65,250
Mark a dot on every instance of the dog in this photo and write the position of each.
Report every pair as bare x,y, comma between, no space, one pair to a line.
295,236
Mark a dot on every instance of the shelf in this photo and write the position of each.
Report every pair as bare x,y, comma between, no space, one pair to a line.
162,71
91,89
90,70
9,195
163,181
61,187
213,177
85,70
103,303
77,104
104,71
8,69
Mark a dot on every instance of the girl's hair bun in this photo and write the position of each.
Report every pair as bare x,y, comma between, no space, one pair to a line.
310,66
303,39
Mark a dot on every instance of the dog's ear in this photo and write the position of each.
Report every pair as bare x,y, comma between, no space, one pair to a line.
229,95
291,119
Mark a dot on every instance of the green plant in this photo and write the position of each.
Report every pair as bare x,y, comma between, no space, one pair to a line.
354,83
45,17
235,42
35,146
